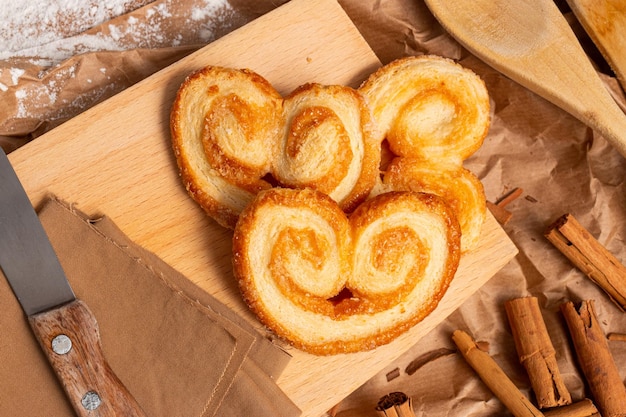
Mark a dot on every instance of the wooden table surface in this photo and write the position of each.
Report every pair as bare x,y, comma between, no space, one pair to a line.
116,159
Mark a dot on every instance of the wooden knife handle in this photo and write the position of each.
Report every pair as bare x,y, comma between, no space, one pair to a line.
70,338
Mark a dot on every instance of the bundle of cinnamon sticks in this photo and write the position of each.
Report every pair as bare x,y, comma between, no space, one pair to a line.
588,255
538,356
395,404
535,349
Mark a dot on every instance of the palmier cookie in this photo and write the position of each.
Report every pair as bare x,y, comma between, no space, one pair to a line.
234,135
429,107
434,113
458,186
328,283
225,124
328,144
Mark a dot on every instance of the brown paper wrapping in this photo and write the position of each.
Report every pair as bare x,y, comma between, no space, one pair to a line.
177,350
559,163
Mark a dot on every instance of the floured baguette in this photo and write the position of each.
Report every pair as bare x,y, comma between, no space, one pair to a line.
331,284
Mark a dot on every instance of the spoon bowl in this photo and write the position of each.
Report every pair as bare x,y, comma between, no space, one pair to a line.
531,42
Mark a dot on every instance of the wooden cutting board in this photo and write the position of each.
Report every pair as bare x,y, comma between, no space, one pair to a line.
116,159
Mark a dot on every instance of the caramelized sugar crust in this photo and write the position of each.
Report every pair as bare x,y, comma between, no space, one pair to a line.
331,283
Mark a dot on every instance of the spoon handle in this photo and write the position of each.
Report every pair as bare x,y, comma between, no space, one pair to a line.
610,122
562,73
605,23
576,88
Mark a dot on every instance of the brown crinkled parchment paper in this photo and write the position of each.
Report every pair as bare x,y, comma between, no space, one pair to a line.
178,351
560,164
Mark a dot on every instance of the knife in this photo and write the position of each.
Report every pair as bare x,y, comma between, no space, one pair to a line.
64,326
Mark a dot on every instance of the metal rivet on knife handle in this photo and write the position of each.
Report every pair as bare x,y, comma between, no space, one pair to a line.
91,400
61,344
65,328
91,386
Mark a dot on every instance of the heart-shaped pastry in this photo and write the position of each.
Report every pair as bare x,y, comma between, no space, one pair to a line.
336,250
329,283
234,135
434,114
461,189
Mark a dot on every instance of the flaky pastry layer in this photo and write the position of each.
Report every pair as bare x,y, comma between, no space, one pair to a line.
461,189
336,248
234,135
329,283
225,124
429,107
433,114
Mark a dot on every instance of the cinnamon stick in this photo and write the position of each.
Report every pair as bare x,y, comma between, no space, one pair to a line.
595,359
588,255
510,197
497,209
395,404
583,408
494,377
536,352
502,215
617,336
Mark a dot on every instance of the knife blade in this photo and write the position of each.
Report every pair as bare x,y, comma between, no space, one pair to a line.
64,326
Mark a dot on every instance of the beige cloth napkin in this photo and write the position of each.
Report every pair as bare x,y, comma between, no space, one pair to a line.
178,350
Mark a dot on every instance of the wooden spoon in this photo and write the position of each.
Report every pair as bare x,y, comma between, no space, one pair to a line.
605,23
531,42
